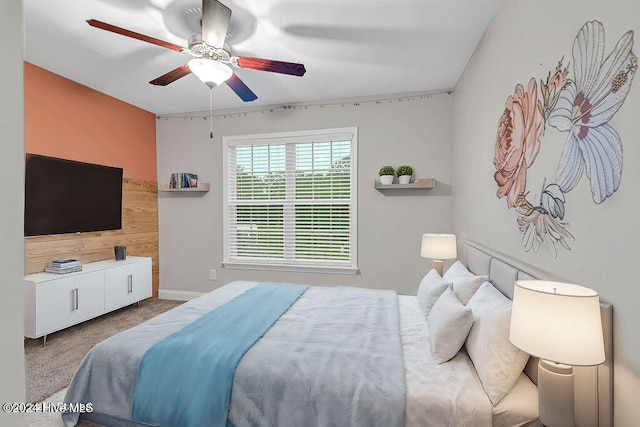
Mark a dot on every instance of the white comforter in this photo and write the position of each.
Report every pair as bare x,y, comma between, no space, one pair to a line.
436,395
449,394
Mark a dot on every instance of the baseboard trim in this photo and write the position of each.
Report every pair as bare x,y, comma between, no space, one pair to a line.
178,295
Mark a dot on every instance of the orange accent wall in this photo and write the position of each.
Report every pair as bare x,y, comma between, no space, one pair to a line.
68,120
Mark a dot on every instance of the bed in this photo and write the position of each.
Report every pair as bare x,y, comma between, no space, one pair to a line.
593,385
334,356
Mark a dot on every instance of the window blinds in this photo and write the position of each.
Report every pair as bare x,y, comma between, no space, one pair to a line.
291,200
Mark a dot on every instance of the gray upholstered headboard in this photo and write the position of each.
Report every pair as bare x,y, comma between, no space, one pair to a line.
593,385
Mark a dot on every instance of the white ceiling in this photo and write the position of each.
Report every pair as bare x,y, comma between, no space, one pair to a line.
350,48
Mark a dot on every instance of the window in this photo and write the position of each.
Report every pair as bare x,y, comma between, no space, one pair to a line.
290,200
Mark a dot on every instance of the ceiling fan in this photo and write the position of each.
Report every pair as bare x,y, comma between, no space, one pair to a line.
211,60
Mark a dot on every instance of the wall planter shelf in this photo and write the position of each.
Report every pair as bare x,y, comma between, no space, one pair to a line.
203,187
424,183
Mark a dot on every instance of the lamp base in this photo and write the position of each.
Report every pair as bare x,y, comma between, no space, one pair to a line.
438,265
555,394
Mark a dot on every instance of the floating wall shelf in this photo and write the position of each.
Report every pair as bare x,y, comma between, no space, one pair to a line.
203,187
423,183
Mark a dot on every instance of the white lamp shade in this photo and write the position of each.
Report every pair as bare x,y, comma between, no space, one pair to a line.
210,72
439,246
559,322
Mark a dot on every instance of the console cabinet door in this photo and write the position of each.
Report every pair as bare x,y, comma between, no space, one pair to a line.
90,295
54,305
117,285
126,284
141,281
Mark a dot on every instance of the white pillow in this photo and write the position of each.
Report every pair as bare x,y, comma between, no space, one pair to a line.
457,270
465,283
430,289
497,361
449,325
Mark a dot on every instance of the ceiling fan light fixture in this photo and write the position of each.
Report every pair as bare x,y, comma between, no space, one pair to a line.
210,72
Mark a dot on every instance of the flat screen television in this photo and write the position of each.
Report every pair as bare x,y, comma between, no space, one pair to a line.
66,196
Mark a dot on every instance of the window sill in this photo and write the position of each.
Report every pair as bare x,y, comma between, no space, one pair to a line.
290,268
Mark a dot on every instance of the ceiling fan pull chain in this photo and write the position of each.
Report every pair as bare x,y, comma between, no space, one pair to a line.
211,112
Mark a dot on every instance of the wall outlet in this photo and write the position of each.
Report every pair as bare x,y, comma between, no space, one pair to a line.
212,275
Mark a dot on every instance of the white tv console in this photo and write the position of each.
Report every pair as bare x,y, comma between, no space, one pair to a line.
56,301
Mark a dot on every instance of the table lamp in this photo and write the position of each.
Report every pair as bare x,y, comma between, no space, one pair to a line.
559,323
438,247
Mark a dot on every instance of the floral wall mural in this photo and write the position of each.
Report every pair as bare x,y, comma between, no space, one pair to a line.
581,105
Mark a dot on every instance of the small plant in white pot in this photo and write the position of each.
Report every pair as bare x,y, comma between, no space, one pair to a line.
386,175
404,174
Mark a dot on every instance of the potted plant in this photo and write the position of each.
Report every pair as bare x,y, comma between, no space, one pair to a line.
386,175
404,174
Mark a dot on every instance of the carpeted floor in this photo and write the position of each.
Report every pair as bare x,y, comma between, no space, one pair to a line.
49,419
50,368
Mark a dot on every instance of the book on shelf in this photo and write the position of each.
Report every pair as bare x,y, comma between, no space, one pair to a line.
64,264
173,182
183,180
191,179
64,261
63,270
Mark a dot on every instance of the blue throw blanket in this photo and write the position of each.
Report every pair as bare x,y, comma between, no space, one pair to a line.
186,378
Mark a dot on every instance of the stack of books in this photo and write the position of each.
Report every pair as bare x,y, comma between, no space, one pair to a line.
62,266
183,180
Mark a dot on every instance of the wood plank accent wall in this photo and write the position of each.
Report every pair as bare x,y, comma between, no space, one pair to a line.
139,234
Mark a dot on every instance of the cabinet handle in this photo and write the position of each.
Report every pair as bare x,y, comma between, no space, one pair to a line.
74,299
130,283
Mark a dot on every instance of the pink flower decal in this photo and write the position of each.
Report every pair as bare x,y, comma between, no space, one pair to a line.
582,107
518,142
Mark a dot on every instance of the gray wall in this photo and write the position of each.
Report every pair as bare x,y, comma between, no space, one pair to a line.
12,385
526,39
413,130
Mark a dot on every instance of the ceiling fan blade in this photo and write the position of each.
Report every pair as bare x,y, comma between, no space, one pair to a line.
133,34
215,21
171,76
270,65
241,89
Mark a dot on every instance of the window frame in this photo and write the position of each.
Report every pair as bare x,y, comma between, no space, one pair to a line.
317,266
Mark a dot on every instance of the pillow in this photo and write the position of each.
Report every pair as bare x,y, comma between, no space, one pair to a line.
430,289
465,283
457,269
497,361
449,325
